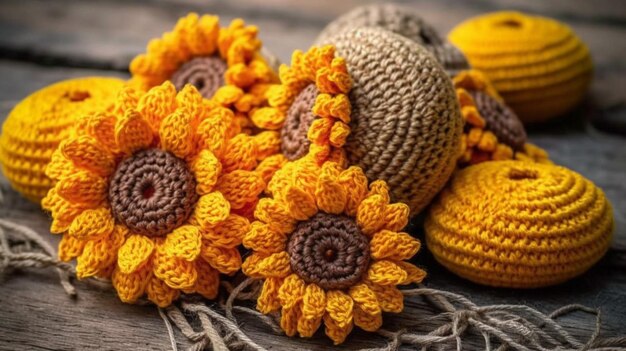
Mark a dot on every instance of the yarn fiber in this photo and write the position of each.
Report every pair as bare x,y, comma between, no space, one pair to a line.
36,126
406,123
541,68
519,224
402,21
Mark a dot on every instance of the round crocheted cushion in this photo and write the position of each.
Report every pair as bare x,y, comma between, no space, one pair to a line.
519,224
500,119
406,123
37,124
403,21
538,65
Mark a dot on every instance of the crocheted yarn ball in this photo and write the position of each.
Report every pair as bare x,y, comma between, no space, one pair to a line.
541,68
519,224
224,63
37,124
405,120
154,194
329,250
402,21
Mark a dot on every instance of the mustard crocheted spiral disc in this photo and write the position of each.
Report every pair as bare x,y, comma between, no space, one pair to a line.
538,65
519,224
36,125
406,123
403,21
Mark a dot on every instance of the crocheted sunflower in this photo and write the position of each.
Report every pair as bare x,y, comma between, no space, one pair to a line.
223,63
310,107
149,194
492,130
329,250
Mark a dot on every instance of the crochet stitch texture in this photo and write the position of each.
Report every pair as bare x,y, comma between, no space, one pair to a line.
519,224
329,250
37,124
541,68
155,194
402,21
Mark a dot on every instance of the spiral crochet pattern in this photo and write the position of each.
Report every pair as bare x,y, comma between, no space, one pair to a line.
541,68
402,21
519,224
36,125
406,124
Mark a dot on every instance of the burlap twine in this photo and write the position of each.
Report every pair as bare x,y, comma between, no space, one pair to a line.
406,123
403,21
213,325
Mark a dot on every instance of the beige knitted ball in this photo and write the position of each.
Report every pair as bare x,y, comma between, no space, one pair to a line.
406,123
403,21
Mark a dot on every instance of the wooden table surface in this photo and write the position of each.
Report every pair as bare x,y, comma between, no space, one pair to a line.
42,42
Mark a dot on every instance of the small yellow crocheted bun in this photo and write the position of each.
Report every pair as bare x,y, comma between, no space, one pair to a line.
36,125
154,194
519,224
224,63
541,68
329,250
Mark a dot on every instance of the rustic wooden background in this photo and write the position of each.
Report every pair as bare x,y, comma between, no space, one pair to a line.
45,41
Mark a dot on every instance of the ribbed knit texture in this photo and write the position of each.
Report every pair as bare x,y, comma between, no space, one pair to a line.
36,125
519,224
403,21
406,123
539,66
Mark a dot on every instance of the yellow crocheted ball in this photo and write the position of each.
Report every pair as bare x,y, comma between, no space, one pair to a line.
34,128
519,224
538,65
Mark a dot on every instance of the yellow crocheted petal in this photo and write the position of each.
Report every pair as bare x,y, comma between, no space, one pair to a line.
319,153
97,255
392,245
70,248
334,79
268,301
158,103
134,253
184,242
389,297
313,309
176,272
370,214
330,195
267,144
339,307
208,281
502,152
275,214
250,266
464,98
365,299
227,95
289,317
300,204
92,224
261,238
319,131
127,98
386,273
270,118
190,100
160,293
380,187
335,332
63,211
268,167
338,134
366,321
488,142
83,187
131,286
472,117
239,153
228,233
211,209
101,126
176,134
59,166
212,132
291,291
132,132
354,181
414,274
240,187
473,136
239,74
337,107
396,216
200,34
206,169
84,152
225,260
275,265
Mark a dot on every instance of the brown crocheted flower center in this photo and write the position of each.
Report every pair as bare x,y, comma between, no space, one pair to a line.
330,251
205,73
294,141
152,192
501,120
